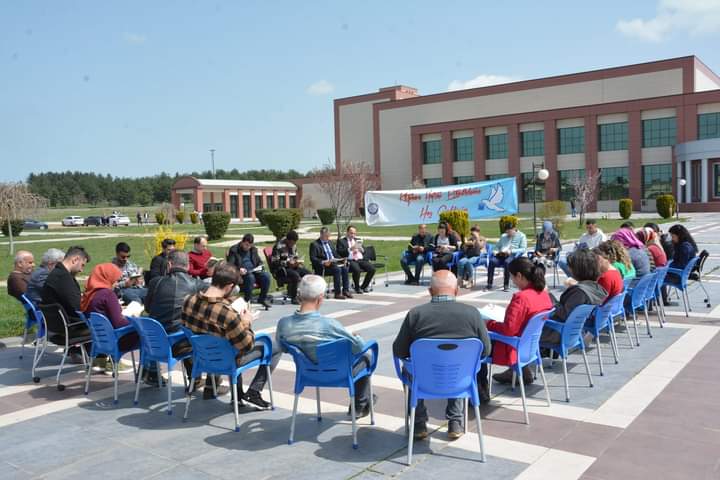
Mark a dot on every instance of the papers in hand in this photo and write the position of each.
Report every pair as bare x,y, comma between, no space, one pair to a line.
257,269
240,306
492,312
133,309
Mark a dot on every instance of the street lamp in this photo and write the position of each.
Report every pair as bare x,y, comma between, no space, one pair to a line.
539,172
682,182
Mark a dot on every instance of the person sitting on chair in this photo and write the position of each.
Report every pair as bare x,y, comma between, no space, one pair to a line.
199,256
244,256
445,244
416,251
443,317
511,244
18,279
618,257
351,247
471,249
307,328
592,237
610,277
130,285
325,261
159,264
639,255
52,257
547,244
664,238
684,250
287,266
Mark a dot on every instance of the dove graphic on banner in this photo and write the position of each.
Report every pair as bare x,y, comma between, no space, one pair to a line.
494,201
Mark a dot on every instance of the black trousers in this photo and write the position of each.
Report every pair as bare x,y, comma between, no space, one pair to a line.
291,277
356,267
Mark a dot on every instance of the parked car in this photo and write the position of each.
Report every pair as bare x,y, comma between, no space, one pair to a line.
93,220
34,225
73,221
117,219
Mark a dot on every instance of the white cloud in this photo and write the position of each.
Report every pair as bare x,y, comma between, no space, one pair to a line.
134,38
691,16
483,80
321,87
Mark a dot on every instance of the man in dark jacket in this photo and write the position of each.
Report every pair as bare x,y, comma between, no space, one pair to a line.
416,253
325,261
61,286
443,317
244,256
286,265
350,247
159,263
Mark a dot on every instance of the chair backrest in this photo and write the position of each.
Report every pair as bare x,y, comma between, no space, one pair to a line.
154,343
530,337
369,253
55,319
640,290
444,368
607,311
102,332
700,265
573,327
651,289
211,354
627,282
661,274
267,251
32,314
333,367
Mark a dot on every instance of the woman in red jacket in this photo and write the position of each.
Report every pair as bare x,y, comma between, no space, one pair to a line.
529,301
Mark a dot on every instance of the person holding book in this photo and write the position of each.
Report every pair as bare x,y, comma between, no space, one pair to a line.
416,253
351,247
199,256
444,245
471,249
325,261
244,256
511,244
131,285
286,266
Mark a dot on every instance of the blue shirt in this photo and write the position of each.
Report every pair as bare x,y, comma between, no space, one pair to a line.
516,244
328,250
308,330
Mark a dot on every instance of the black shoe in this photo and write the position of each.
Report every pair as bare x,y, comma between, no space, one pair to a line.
506,288
152,379
416,283
339,296
455,430
409,282
366,290
670,304
347,294
484,392
361,412
266,304
359,291
420,431
488,287
254,397
221,390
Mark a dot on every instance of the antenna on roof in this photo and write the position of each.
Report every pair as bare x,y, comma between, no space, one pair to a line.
212,161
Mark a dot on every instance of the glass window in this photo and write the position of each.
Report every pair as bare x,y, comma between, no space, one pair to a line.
293,201
571,140
497,146
246,206
657,180
269,201
234,206
532,143
281,201
464,149
659,132
716,178
433,182
497,176
432,152
567,187
614,183
464,179
708,125
613,136
259,201
527,189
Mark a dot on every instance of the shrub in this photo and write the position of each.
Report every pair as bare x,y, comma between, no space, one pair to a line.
280,222
327,216
180,217
154,245
17,227
160,218
260,215
506,220
555,211
458,221
216,224
625,207
665,205
194,218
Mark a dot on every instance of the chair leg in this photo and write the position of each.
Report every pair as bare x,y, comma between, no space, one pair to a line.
137,383
135,374
169,389
587,366
317,399
214,386
270,389
233,399
410,436
87,379
490,379
372,402
687,297
522,395
480,433
599,354
627,330
405,403
565,377
613,342
115,382
188,397
545,383
637,334
465,414
685,304
24,341
647,321
707,297
60,368
514,379
39,352
292,422
354,422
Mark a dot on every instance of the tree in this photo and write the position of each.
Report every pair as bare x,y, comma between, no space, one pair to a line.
584,189
17,203
308,205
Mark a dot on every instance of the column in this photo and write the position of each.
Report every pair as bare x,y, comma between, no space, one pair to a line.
226,201
704,180
679,169
480,155
416,160
591,152
447,157
513,139
275,199
252,204
550,146
635,158
198,199
287,199
688,179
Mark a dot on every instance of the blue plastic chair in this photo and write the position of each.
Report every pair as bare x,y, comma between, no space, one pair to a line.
441,368
661,274
156,346
638,299
457,255
652,297
334,368
604,320
682,284
215,355
555,262
33,317
528,352
105,340
570,338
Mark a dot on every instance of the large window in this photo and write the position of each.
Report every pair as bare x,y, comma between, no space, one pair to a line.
708,125
657,180
613,136
258,201
464,179
293,201
246,206
532,143
497,146
281,201
464,149
614,183
567,188
571,140
432,152
433,182
659,132
269,201
527,188
213,207
497,176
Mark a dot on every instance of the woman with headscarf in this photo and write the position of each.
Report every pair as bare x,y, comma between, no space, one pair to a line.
648,236
636,249
547,243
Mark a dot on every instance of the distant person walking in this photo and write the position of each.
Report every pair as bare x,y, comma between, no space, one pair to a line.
139,218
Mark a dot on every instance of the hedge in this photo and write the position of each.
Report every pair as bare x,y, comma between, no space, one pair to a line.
326,215
665,205
160,218
17,227
625,206
194,218
507,221
180,217
281,221
260,215
458,221
216,224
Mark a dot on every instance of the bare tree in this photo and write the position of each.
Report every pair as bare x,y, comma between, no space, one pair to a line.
308,205
584,189
17,203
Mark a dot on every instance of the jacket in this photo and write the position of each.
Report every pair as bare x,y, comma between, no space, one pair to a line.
308,330
236,254
317,254
554,242
158,267
36,283
198,263
281,253
586,292
343,248
658,255
61,287
683,254
167,294
418,241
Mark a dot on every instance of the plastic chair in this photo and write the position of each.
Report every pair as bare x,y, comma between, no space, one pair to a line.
334,368
58,329
603,320
33,317
482,261
528,352
638,299
156,346
441,368
371,257
216,356
657,294
682,284
570,338
105,340
652,296
619,311
697,274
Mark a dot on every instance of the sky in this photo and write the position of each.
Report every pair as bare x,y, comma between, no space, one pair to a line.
134,88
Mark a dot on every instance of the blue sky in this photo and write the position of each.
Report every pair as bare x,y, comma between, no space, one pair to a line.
135,88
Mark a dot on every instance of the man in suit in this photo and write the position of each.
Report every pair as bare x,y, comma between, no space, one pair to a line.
350,247
324,257
244,256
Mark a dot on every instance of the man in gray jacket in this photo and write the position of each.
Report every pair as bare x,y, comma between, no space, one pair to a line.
443,317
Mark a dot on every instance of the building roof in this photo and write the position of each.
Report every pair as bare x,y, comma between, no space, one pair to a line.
189,182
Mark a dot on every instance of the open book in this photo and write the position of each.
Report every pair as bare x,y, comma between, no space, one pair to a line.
492,312
133,309
240,305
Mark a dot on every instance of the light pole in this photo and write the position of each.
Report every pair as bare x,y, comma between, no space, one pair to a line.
539,172
682,182
212,161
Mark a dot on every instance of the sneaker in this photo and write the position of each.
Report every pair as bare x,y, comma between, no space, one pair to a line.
152,379
420,431
254,397
364,411
455,430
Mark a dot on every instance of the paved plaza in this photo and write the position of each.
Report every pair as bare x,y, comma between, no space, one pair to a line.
652,415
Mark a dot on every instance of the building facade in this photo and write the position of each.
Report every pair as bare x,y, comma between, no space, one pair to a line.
641,127
240,198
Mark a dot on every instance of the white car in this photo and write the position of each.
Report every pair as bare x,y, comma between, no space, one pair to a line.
115,220
73,221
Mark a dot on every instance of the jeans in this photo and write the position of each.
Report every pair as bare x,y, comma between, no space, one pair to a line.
258,382
498,262
356,267
562,265
134,294
291,277
419,261
249,279
465,267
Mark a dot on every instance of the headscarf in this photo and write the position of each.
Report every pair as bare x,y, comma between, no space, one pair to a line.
628,239
104,275
547,227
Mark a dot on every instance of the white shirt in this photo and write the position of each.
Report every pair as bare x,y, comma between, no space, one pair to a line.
592,241
354,254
